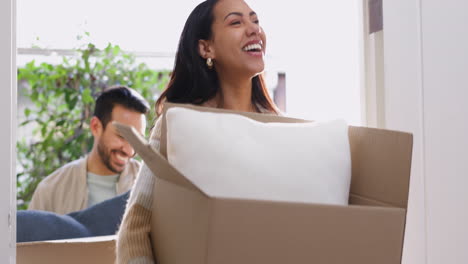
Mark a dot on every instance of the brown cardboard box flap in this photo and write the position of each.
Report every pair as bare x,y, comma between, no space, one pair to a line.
152,157
99,250
381,165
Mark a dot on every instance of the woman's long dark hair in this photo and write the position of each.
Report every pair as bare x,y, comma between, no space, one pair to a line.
191,80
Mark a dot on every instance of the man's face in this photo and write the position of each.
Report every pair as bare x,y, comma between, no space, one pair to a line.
114,151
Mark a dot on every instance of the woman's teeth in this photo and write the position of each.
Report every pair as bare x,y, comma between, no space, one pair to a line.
253,47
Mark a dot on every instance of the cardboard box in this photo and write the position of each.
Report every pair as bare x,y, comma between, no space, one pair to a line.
99,250
189,226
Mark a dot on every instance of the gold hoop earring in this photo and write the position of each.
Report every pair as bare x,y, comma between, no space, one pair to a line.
209,63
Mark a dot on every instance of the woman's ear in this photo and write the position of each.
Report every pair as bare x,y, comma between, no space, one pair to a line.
205,49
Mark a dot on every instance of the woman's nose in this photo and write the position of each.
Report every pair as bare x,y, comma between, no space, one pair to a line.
253,29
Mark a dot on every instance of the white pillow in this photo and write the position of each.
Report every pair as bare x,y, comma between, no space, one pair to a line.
232,156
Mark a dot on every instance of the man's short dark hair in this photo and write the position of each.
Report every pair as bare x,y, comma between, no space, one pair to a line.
118,95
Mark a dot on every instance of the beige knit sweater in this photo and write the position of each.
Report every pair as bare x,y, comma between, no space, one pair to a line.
133,238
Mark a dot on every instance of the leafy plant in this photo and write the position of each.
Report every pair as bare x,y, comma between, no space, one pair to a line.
62,100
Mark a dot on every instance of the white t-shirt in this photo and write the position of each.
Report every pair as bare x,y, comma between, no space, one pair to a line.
101,188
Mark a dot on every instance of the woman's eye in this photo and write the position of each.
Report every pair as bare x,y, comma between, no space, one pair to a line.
257,21
235,22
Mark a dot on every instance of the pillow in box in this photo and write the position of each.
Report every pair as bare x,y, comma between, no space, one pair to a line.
232,156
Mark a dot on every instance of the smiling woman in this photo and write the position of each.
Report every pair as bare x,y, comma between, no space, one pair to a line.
217,69
219,63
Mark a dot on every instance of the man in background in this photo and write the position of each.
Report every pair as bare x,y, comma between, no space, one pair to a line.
109,169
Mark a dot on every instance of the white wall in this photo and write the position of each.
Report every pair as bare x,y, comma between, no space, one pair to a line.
404,108
322,57
426,84
7,136
445,75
